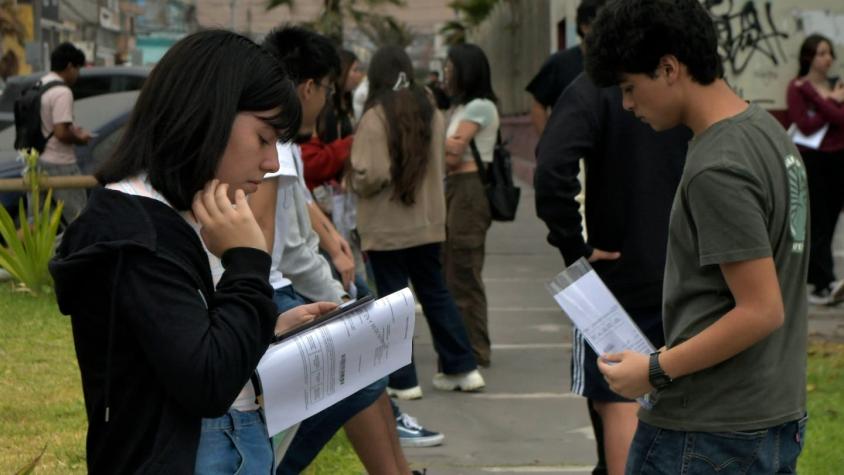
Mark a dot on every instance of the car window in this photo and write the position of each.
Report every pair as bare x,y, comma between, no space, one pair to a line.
133,83
91,86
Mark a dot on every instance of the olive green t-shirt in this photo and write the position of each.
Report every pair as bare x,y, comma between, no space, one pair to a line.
742,196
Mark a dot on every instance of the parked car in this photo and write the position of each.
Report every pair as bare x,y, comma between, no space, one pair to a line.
92,81
104,115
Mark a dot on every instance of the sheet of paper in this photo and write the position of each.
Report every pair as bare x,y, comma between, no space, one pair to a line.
594,310
310,372
811,141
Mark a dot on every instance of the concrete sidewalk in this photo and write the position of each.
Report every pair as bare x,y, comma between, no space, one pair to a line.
526,421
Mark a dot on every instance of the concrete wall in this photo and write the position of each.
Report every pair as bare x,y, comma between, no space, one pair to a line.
515,38
760,42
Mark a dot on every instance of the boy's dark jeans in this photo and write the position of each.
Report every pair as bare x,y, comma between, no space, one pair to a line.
765,451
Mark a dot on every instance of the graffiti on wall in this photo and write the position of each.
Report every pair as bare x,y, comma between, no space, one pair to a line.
744,32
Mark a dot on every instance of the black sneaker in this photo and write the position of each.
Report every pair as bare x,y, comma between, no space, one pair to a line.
411,434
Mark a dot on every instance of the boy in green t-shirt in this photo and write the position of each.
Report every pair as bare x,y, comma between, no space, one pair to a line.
730,387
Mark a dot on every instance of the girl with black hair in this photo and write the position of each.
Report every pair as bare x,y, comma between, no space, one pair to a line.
816,106
397,170
160,345
472,133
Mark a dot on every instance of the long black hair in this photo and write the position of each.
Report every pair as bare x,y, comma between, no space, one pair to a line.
335,120
408,112
470,77
809,49
182,121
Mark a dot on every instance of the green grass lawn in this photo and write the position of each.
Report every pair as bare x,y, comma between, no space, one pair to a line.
825,438
41,397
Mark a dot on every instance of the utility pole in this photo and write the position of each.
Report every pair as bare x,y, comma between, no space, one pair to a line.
233,13
39,37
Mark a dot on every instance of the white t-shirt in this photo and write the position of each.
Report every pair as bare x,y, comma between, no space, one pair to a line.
484,113
56,108
290,163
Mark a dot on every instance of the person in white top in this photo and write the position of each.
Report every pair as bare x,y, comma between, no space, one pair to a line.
58,158
474,122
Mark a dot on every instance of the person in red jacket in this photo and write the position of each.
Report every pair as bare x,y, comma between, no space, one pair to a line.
326,153
816,102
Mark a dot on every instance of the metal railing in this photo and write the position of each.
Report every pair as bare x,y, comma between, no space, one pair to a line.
45,182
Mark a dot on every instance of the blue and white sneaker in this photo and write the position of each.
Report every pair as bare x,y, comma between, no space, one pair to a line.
411,434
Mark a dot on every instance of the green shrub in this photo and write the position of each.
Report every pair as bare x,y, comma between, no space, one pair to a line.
30,248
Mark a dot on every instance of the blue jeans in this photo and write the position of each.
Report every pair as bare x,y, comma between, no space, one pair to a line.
286,298
236,443
317,430
421,265
764,451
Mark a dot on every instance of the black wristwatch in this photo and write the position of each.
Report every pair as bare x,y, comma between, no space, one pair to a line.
656,376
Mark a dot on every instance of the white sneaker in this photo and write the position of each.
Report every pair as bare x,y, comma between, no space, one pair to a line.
837,293
471,381
405,394
821,297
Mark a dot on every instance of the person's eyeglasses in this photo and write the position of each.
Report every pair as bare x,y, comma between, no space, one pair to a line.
329,88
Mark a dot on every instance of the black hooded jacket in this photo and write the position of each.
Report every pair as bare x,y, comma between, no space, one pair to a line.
632,173
158,347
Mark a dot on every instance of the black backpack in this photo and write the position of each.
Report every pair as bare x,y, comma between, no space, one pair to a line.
28,117
502,194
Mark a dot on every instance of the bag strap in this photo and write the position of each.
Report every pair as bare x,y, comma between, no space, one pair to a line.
478,162
42,88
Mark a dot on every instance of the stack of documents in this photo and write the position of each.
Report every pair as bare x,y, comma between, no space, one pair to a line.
311,371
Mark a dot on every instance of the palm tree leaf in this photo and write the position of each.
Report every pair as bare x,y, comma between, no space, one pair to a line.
272,4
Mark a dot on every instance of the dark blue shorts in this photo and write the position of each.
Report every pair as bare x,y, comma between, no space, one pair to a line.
586,380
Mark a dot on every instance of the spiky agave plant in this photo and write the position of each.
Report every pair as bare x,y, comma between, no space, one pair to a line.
30,248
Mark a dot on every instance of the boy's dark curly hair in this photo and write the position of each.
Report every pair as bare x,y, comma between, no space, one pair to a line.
631,36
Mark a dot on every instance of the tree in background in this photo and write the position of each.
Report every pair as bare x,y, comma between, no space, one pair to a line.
471,13
383,30
377,27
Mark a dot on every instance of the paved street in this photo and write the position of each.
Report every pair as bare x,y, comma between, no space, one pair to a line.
525,421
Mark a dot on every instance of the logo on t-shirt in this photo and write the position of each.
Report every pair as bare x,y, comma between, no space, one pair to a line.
797,202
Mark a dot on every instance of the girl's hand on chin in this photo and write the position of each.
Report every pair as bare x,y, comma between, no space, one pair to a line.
225,225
